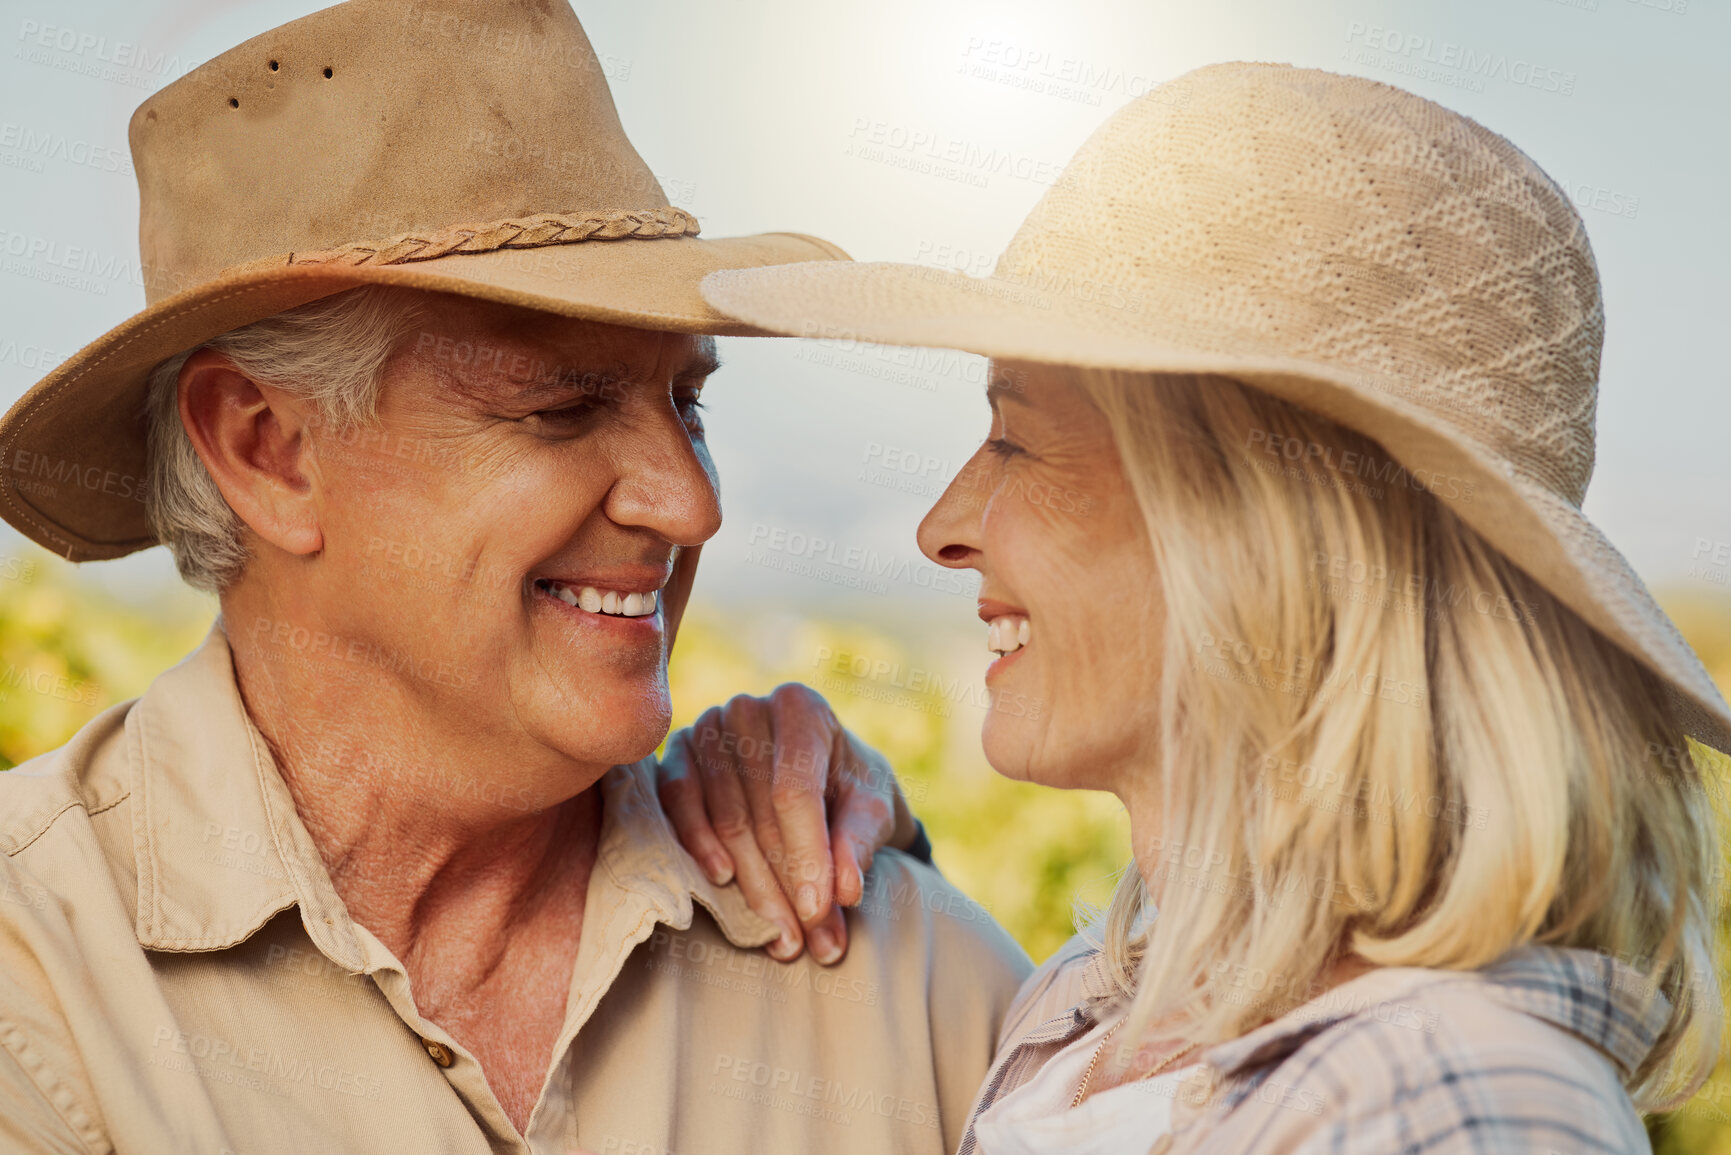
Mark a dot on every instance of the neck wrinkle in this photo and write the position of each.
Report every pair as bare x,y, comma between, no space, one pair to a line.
439,854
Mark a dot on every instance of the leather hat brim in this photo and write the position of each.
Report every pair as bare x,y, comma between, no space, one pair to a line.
72,450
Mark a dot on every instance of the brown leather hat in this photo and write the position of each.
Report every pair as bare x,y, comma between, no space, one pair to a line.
461,146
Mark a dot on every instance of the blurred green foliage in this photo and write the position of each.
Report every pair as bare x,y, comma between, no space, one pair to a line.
68,652
70,649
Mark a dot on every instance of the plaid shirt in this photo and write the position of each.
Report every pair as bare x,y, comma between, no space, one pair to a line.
1528,1055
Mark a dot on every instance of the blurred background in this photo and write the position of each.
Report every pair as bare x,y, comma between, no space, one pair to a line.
918,130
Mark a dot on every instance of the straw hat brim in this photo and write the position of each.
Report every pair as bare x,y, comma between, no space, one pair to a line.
895,304
72,450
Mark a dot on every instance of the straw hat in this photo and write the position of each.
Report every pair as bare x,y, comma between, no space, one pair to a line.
1342,244
460,146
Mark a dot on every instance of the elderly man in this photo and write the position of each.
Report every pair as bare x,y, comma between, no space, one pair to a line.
381,867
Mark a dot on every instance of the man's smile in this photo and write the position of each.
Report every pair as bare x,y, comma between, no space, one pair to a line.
593,600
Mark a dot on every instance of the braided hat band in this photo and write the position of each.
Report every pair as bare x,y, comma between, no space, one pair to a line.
512,233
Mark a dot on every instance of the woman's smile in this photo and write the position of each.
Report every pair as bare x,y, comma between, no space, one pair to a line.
1007,634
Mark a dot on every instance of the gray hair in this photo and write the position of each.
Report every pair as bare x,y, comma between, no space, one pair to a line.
331,352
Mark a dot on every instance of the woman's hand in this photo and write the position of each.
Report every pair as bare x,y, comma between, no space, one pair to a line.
772,791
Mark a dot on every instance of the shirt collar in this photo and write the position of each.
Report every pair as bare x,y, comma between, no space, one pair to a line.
1594,997
641,854
219,848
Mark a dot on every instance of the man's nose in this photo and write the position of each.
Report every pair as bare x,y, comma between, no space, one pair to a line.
666,483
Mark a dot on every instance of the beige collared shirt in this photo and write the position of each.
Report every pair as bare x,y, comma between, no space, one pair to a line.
177,975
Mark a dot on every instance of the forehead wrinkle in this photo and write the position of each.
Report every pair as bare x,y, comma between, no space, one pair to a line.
519,364
541,377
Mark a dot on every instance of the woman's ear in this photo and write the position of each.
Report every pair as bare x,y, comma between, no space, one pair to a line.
254,439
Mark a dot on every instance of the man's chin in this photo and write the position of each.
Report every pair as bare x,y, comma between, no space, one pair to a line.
611,730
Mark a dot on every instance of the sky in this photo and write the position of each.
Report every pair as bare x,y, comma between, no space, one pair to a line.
752,113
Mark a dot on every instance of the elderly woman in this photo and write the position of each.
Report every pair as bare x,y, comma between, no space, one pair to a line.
1403,740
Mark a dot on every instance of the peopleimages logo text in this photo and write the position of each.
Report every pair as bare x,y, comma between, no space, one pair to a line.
866,562
1478,63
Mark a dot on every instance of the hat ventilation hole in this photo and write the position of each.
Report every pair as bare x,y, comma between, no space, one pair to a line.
273,66
234,102
327,73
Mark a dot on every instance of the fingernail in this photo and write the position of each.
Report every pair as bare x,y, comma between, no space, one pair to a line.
822,945
784,948
806,900
717,869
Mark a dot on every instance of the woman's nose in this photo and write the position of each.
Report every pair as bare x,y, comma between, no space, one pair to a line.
949,534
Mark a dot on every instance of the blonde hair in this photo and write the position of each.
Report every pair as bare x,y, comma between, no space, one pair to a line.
331,352
1378,735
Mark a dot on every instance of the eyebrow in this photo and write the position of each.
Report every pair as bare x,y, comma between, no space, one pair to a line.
547,380
555,381
999,392
704,364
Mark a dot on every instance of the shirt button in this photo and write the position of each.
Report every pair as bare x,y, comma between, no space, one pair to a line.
439,1052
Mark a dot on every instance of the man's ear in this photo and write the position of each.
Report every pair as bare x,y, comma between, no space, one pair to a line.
255,441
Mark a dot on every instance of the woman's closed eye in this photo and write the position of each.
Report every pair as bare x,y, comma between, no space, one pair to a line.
1003,448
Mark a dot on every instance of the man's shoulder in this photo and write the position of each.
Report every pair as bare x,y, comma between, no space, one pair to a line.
57,913
905,896
86,776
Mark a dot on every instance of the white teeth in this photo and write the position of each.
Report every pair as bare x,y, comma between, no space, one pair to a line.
1007,634
595,601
